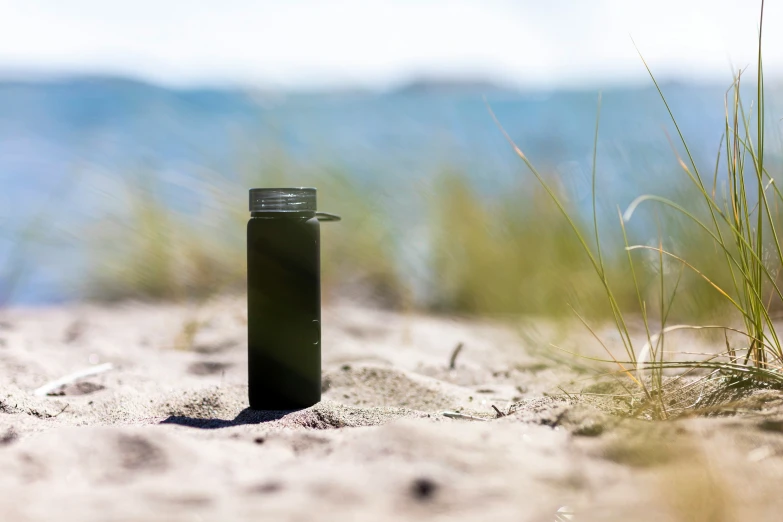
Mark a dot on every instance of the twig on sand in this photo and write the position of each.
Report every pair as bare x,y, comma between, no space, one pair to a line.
455,415
500,413
64,408
49,387
454,354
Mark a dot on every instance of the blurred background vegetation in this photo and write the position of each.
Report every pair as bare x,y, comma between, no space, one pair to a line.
134,191
501,256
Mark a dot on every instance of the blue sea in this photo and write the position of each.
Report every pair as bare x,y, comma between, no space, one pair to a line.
68,146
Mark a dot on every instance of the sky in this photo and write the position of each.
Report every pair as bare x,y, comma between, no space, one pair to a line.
380,43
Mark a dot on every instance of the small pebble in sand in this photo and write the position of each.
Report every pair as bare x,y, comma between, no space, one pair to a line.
423,489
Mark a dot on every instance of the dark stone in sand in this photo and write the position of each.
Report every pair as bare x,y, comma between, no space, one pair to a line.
423,488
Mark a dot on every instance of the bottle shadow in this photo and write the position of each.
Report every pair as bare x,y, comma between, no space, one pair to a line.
246,416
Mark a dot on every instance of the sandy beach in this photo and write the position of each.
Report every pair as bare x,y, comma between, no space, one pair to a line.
161,430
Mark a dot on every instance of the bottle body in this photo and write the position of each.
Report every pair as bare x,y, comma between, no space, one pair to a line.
284,310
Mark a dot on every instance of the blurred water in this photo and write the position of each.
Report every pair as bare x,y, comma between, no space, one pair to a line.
67,147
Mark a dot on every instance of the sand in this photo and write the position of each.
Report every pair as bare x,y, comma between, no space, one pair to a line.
165,433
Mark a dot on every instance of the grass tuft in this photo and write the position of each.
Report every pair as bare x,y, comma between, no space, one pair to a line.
740,222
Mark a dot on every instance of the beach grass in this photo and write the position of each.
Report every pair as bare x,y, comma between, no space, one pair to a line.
737,210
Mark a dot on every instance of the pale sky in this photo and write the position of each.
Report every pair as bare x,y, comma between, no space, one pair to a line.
375,43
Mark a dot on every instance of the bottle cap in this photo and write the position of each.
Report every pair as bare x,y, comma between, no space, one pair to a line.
298,199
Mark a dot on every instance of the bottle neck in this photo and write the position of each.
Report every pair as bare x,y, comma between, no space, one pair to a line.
302,214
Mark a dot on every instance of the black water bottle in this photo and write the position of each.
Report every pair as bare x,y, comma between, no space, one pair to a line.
284,298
